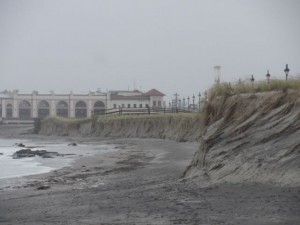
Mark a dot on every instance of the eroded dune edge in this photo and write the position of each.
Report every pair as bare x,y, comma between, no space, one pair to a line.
248,137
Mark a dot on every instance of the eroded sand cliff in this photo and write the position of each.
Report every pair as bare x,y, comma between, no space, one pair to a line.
250,137
179,127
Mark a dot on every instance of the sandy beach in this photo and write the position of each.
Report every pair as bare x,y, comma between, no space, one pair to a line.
140,183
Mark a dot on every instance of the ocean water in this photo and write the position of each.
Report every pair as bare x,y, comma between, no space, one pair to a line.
10,167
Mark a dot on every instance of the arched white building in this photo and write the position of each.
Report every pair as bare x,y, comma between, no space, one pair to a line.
16,106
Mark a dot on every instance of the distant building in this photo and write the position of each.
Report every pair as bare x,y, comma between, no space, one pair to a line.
14,105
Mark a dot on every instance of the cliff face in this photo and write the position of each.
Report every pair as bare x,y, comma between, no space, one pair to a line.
179,127
250,138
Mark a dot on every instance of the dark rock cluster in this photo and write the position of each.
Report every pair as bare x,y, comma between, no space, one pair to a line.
72,144
25,153
28,152
19,145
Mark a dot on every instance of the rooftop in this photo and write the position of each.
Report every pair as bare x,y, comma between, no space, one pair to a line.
154,92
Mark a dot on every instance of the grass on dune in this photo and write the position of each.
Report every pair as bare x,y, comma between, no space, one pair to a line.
145,117
65,120
227,89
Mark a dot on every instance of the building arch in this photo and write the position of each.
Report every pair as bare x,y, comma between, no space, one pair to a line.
80,109
99,108
24,110
43,109
62,109
9,110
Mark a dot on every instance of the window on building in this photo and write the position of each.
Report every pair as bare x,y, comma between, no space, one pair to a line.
9,110
115,106
159,103
154,103
80,109
43,109
147,106
62,109
99,108
141,105
134,105
24,110
128,105
123,105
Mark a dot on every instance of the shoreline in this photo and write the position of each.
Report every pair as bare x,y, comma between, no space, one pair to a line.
27,166
140,183
113,159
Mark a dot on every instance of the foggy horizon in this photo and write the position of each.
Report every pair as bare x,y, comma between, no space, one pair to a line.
168,45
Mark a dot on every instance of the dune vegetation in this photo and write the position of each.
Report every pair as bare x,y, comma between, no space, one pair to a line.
228,89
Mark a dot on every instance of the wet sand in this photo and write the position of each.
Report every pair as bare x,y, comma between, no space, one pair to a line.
141,183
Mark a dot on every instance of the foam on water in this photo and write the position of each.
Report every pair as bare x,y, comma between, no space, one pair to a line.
10,167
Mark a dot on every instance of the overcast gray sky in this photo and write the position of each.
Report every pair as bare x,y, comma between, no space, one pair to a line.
170,45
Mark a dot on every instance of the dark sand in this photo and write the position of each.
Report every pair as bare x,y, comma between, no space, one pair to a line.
140,184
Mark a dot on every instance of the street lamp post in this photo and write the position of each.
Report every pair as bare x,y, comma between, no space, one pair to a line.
286,70
188,98
193,102
268,76
199,95
176,99
252,80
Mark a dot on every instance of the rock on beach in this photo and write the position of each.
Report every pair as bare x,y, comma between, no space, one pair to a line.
26,153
